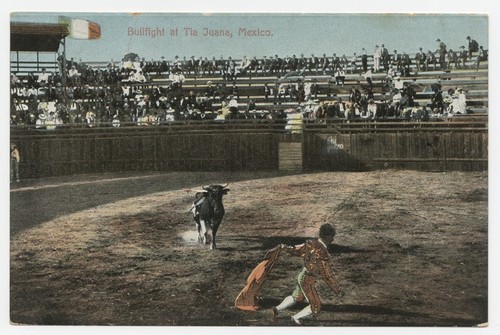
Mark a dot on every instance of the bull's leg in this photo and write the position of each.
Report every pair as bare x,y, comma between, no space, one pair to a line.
203,235
214,233
196,217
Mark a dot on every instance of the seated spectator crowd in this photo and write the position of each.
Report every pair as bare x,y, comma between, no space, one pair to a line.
127,94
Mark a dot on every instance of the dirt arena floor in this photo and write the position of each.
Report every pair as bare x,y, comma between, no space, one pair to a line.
121,249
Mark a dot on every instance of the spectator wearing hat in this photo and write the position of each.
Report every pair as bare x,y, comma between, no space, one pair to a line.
368,77
396,60
364,59
420,59
482,56
430,60
441,51
74,76
335,62
405,64
473,46
462,57
40,122
177,79
324,63
340,75
354,63
385,58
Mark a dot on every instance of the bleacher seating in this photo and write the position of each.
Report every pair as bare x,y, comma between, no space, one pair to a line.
473,80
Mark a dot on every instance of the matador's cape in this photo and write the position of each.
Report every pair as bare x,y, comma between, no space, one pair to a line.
248,299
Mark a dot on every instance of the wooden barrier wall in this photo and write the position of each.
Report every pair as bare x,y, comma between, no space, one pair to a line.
77,151
425,151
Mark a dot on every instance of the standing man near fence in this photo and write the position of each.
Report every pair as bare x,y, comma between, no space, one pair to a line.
15,157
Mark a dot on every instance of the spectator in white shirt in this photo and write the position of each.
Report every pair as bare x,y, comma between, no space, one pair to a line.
462,101
43,78
74,75
372,108
377,54
398,84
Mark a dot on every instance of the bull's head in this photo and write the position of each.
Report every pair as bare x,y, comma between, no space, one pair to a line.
215,193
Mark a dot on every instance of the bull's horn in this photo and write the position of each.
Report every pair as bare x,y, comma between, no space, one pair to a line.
225,185
204,187
196,190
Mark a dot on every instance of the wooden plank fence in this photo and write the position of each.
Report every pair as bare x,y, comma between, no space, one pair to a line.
428,146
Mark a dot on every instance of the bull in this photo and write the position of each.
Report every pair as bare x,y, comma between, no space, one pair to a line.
208,211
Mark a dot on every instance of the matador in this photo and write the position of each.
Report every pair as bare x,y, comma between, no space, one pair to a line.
316,265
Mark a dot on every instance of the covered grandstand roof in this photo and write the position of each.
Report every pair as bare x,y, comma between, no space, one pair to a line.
36,36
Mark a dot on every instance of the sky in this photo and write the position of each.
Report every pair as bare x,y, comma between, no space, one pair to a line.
153,34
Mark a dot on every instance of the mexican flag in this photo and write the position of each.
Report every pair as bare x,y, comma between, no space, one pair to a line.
81,29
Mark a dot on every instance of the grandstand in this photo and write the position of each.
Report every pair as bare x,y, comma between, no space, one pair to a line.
472,78
107,119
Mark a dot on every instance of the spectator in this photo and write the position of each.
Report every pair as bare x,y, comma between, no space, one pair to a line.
396,102
15,158
74,76
462,101
268,91
233,107
354,61
116,121
405,65
313,63
431,59
396,60
377,55
441,51
355,95
372,109
364,60
398,83
43,78
473,46
437,103
340,76
324,63
462,56
344,62
335,63
340,109
482,56
452,59
368,77
420,59
40,122
384,57
177,79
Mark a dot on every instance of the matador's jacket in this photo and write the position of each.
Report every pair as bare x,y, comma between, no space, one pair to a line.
316,265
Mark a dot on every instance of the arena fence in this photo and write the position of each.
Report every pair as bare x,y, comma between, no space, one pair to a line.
249,146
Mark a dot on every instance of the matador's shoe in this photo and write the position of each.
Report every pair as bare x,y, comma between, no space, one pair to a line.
298,322
276,313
